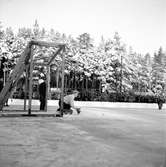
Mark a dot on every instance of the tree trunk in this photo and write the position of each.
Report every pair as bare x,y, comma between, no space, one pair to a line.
86,83
74,79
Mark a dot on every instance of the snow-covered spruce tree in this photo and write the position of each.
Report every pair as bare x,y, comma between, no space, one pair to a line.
158,67
114,68
25,33
1,32
86,57
147,72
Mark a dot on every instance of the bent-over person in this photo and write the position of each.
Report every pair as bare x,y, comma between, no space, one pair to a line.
68,104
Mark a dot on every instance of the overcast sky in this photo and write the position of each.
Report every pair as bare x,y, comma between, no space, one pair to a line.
140,23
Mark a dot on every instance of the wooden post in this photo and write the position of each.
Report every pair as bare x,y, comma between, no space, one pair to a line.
66,78
57,82
49,71
4,76
62,86
26,87
30,81
57,78
47,87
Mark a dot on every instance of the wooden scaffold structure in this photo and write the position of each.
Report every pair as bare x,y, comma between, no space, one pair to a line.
25,64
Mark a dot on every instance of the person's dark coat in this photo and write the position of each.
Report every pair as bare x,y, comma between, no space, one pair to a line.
42,89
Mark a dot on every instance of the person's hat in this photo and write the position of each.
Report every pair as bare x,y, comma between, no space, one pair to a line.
41,81
75,91
42,76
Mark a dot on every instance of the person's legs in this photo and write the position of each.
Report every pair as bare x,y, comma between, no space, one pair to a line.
59,114
6,103
66,108
42,103
160,105
78,110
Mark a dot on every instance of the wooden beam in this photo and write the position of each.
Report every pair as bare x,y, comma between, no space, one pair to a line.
47,44
14,76
26,87
53,57
47,88
57,78
30,82
62,86
48,82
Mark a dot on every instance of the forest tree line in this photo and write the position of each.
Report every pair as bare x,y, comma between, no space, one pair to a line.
109,70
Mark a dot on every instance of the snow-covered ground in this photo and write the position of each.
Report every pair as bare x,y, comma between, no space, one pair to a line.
99,137
93,104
